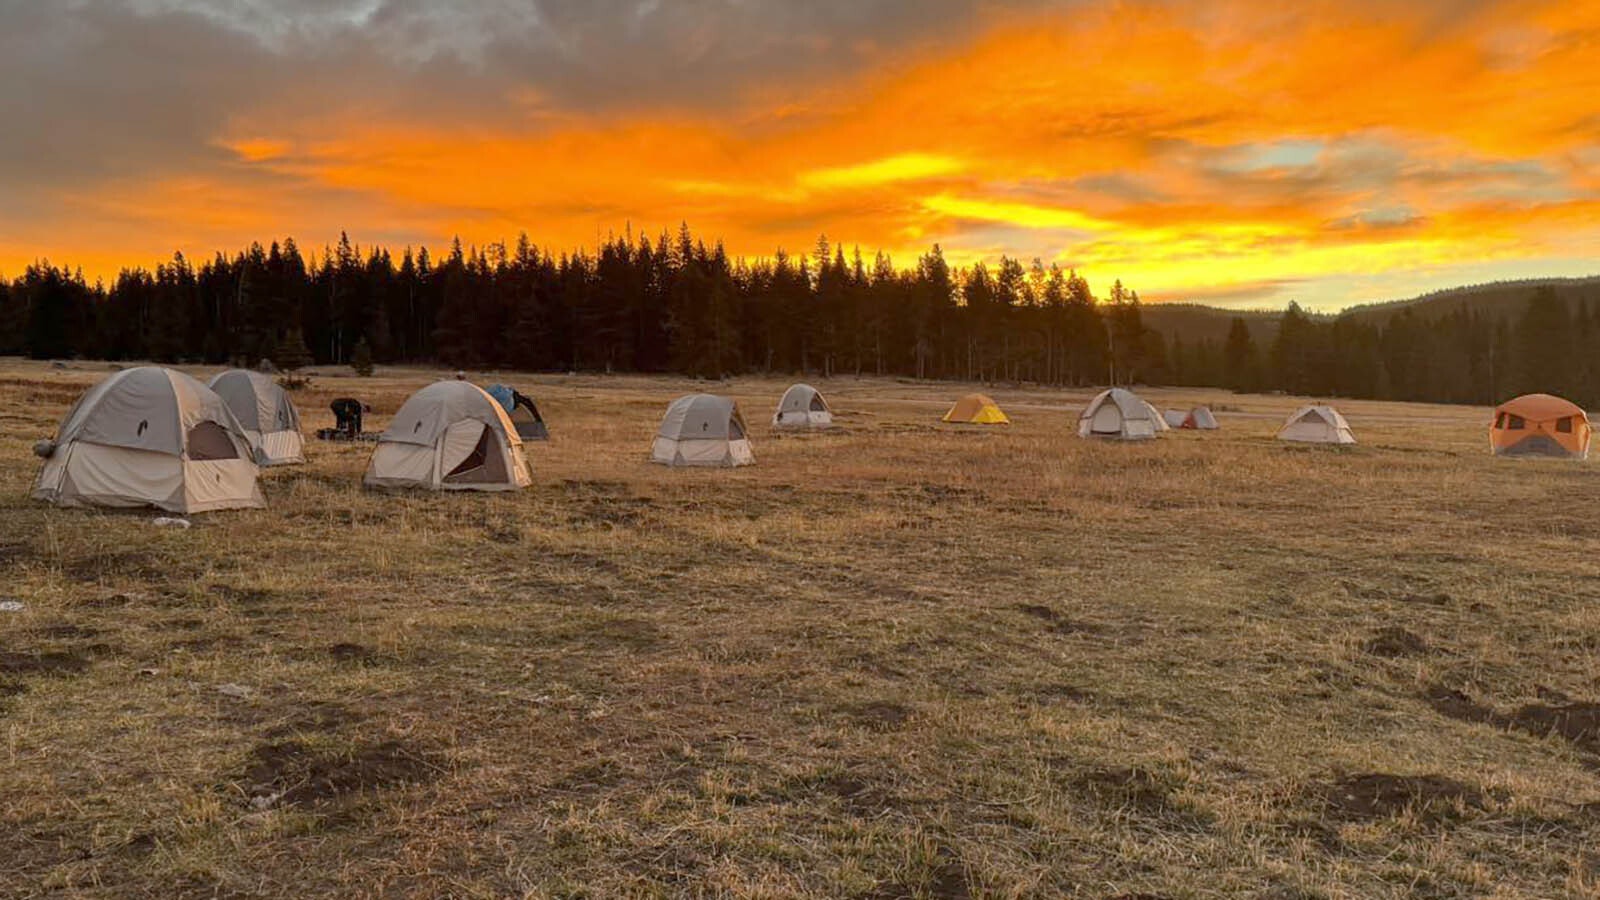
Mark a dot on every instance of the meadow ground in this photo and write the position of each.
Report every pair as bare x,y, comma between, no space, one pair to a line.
902,660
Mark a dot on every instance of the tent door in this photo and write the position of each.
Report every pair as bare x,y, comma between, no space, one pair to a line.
486,464
1107,420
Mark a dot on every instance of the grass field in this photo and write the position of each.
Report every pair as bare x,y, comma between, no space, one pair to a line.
901,660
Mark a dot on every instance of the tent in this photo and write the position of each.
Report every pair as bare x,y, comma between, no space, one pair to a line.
1540,425
1199,418
450,436
150,436
1119,415
523,412
802,408
1317,425
264,409
976,409
702,430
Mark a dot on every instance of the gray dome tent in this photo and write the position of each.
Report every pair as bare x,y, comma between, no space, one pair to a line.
268,416
802,408
150,436
702,430
1120,415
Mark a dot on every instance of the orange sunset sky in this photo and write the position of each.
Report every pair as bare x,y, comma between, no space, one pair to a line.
1241,152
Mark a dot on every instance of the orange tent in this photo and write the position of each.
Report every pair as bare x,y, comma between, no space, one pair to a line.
1540,425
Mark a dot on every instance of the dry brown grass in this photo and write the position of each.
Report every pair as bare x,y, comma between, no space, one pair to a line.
905,660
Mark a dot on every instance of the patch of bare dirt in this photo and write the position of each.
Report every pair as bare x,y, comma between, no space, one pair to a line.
1577,722
1394,642
59,662
1376,795
292,773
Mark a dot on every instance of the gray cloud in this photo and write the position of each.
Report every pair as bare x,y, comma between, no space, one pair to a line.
98,90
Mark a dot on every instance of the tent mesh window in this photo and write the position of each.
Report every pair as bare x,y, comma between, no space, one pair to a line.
735,429
474,461
1500,420
1516,424
817,405
1564,425
208,440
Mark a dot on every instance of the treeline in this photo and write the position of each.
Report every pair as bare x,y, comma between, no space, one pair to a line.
1466,355
673,304
666,305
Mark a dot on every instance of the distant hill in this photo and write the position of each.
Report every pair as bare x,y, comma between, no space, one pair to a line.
1195,322
1502,297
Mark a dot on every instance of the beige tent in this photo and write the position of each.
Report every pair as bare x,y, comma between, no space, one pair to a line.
264,409
802,408
702,430
150,436
1317,425
1119,415
450,436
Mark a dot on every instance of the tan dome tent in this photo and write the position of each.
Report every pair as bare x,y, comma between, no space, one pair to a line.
1317,425
702,430
1540,425
449,436
976,409
1119,415
264,409
150,436
1197,419
802,408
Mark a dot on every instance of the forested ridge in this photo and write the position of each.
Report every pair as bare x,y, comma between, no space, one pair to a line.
675,304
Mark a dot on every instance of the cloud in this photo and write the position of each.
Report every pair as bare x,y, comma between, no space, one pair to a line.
1189,149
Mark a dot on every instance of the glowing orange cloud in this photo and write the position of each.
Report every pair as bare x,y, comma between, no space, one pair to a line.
1351,148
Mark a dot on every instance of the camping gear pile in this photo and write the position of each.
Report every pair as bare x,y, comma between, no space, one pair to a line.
347,415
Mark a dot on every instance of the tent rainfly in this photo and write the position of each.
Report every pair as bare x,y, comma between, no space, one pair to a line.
267,414
702,430
976,409
150,436
522,411
449,436
1540,425
1119,415
1317,425
802,408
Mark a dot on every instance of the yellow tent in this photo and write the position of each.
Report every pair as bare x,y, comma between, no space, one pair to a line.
977,410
